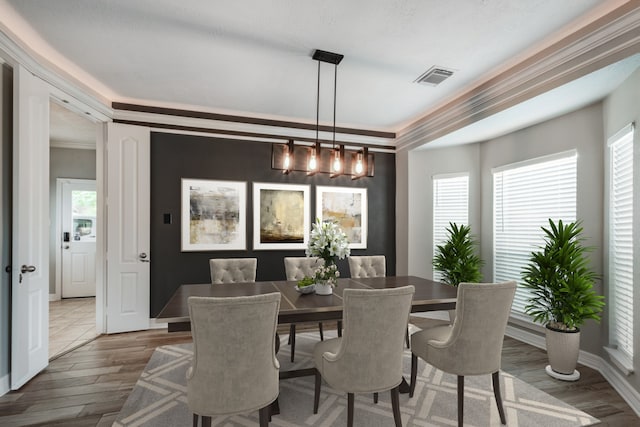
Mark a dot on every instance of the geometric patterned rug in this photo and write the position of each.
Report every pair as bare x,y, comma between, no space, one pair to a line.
159,398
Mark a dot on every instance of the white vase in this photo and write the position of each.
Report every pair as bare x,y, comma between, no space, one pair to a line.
563,349
324,288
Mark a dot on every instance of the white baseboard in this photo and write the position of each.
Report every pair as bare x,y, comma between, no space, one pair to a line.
613,377
155,324
5,385
54,297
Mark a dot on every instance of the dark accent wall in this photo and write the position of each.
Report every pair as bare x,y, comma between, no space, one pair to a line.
186,156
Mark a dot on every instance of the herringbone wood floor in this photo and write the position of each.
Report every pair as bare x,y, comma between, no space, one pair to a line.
88,386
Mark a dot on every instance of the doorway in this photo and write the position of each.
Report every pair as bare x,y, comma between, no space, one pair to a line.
74,230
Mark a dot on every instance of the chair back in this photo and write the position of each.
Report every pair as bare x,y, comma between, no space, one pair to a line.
475,344
297,268
234,366
367,266
233,270
369,358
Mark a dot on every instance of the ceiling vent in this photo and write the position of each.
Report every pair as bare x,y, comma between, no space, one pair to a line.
434,76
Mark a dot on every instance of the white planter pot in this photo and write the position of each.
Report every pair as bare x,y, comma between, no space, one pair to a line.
563,349
324,288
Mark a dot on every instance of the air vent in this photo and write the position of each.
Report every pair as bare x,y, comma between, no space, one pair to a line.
434,76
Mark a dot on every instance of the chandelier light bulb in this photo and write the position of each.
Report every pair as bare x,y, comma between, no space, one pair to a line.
287,161
336,162
359,165
313,163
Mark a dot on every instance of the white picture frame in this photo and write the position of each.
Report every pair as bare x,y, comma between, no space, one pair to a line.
348,207
281,216
213,215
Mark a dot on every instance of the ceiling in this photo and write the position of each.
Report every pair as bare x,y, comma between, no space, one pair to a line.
253,58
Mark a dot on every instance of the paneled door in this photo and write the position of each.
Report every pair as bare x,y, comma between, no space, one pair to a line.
30,245
128,240
78,237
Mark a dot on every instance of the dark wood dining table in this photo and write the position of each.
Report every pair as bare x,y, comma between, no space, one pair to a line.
296,307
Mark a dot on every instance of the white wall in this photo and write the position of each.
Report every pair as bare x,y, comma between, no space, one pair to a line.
619,109
422,166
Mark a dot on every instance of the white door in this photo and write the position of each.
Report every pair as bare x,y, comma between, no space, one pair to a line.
30,246
128,241
78,238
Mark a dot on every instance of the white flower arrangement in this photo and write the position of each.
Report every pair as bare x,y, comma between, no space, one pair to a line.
327,241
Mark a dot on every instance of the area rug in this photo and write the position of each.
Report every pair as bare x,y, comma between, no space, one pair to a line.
159,398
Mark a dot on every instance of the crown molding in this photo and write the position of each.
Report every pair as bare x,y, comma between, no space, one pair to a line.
603,42
39,67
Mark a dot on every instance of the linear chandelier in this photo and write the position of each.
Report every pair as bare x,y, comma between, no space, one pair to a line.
314,159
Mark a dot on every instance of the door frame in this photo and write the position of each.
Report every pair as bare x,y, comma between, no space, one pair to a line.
59,200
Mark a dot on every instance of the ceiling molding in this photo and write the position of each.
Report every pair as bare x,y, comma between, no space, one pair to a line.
255,131
41,68
607,40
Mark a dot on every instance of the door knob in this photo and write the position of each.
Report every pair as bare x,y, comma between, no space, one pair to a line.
27,268
143,257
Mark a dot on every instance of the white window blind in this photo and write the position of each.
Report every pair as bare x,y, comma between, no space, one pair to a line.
621,241
450,204
526,195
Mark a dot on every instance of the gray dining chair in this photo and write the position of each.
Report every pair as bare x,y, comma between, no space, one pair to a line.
297,268
229,375
368,356
233,270
473,344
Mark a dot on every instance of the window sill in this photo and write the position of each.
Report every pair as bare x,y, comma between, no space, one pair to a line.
621,361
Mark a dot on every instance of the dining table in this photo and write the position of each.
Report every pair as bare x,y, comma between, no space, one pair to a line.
296,307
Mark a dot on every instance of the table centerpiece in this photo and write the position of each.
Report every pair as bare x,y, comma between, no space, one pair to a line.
327,241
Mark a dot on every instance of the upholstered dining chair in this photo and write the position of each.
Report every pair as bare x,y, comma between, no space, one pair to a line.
367,266
230,375
473,344
376,266
368,356
233,270
297,268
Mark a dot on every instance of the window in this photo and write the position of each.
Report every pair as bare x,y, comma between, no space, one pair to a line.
526,195
621,244
450,204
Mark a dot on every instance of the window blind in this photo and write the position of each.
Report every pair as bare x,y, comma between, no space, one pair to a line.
526,195
450,204
621,241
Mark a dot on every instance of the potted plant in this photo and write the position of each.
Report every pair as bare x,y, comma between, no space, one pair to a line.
327,241
561,282
456,259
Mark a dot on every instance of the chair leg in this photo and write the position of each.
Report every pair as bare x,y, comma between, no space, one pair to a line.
460,399
375,398
316,394
339,328
264,416
496,391
292,341
350,401
206,421
395,404
195,420
321,332
406,338
414,374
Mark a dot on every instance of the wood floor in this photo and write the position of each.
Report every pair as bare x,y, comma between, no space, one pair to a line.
89,385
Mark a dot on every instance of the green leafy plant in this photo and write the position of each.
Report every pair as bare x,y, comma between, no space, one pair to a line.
561,280
456,259
306,281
